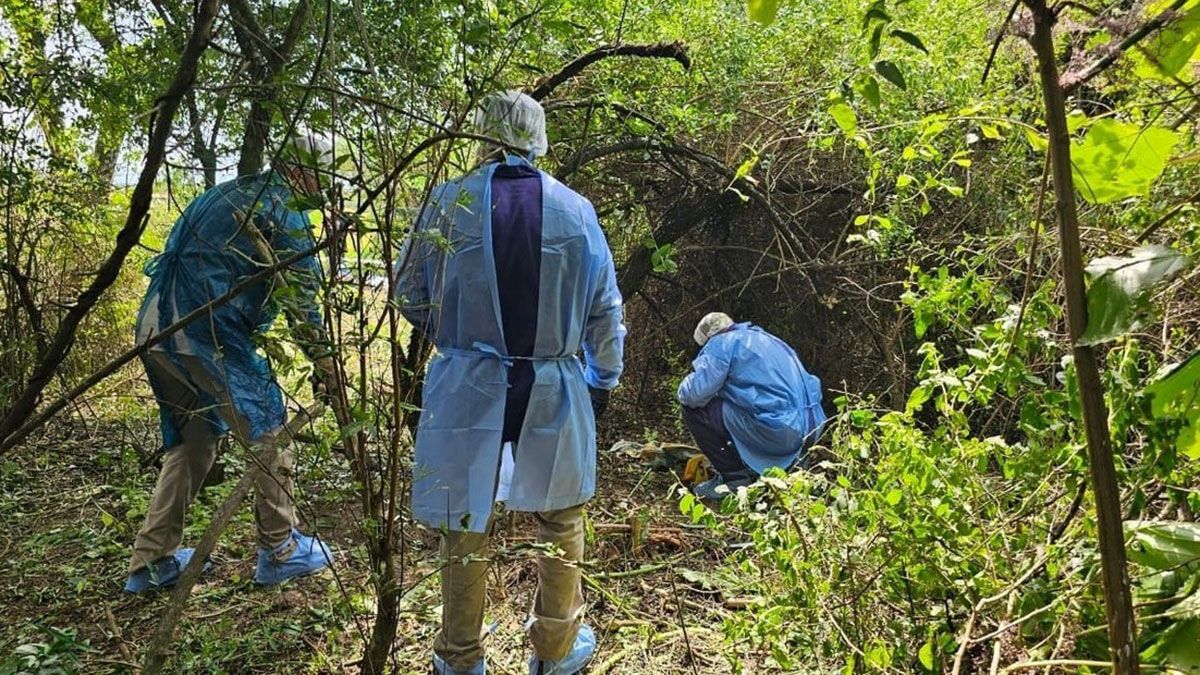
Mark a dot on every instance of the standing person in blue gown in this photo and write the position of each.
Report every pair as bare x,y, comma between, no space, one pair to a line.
508,273
210,377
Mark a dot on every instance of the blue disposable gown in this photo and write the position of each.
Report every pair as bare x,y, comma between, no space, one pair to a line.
447,287
772,404
206,254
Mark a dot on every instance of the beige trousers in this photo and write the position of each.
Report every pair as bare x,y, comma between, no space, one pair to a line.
185,465
557,607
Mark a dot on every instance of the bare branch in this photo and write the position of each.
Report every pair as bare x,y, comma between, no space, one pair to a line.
662,50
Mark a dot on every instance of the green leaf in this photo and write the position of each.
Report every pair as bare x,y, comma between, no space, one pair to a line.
875,13
868,87
876,40
926,655
1036,141
844,115
1120,285
1164,54
891,73
763,11
1177,389
911,39
1076,120
1178,393
1118,160
1177,646
1164,545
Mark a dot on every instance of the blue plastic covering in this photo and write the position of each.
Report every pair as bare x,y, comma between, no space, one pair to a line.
447,288
206,254
773,405
582,651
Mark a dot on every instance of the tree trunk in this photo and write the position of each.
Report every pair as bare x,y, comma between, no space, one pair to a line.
1122,634
269,62
204,153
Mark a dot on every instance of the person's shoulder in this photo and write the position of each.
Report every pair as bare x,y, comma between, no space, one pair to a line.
457,190
561,195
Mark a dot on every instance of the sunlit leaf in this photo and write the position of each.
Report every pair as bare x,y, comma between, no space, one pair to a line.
1166,53
1118,160
763,11
1178,393
926,655
868,87
1164,545
1176,388
1120,285
844,115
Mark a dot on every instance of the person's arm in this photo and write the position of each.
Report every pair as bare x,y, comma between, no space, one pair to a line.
604,332
709,372
291,234
412,284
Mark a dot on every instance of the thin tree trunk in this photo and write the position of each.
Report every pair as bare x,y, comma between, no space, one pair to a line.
1122,634
269,63
203,152
131,232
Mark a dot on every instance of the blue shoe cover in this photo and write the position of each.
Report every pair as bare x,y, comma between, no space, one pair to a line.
162,573
440,667
709,489
310,555
573,662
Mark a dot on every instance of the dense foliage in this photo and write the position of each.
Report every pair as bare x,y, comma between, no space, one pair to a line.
865,178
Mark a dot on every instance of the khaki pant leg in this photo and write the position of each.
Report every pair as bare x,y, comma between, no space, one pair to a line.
183,469
464,592
558,607
274,509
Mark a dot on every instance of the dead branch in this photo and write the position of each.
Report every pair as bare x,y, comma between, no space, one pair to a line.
662,50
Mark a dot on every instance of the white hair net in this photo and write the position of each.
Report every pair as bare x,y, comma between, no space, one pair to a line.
310,150
515,118
710,325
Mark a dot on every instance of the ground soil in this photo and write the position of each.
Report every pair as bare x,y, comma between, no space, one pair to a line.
72,500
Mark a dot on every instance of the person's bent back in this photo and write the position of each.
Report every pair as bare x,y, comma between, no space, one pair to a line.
749,401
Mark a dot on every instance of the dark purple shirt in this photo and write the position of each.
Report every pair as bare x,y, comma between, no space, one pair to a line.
517,246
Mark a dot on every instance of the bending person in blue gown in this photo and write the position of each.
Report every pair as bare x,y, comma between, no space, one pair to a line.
748,402
210,378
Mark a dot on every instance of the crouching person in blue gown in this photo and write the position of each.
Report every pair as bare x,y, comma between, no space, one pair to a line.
210,377
748,402
508,273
